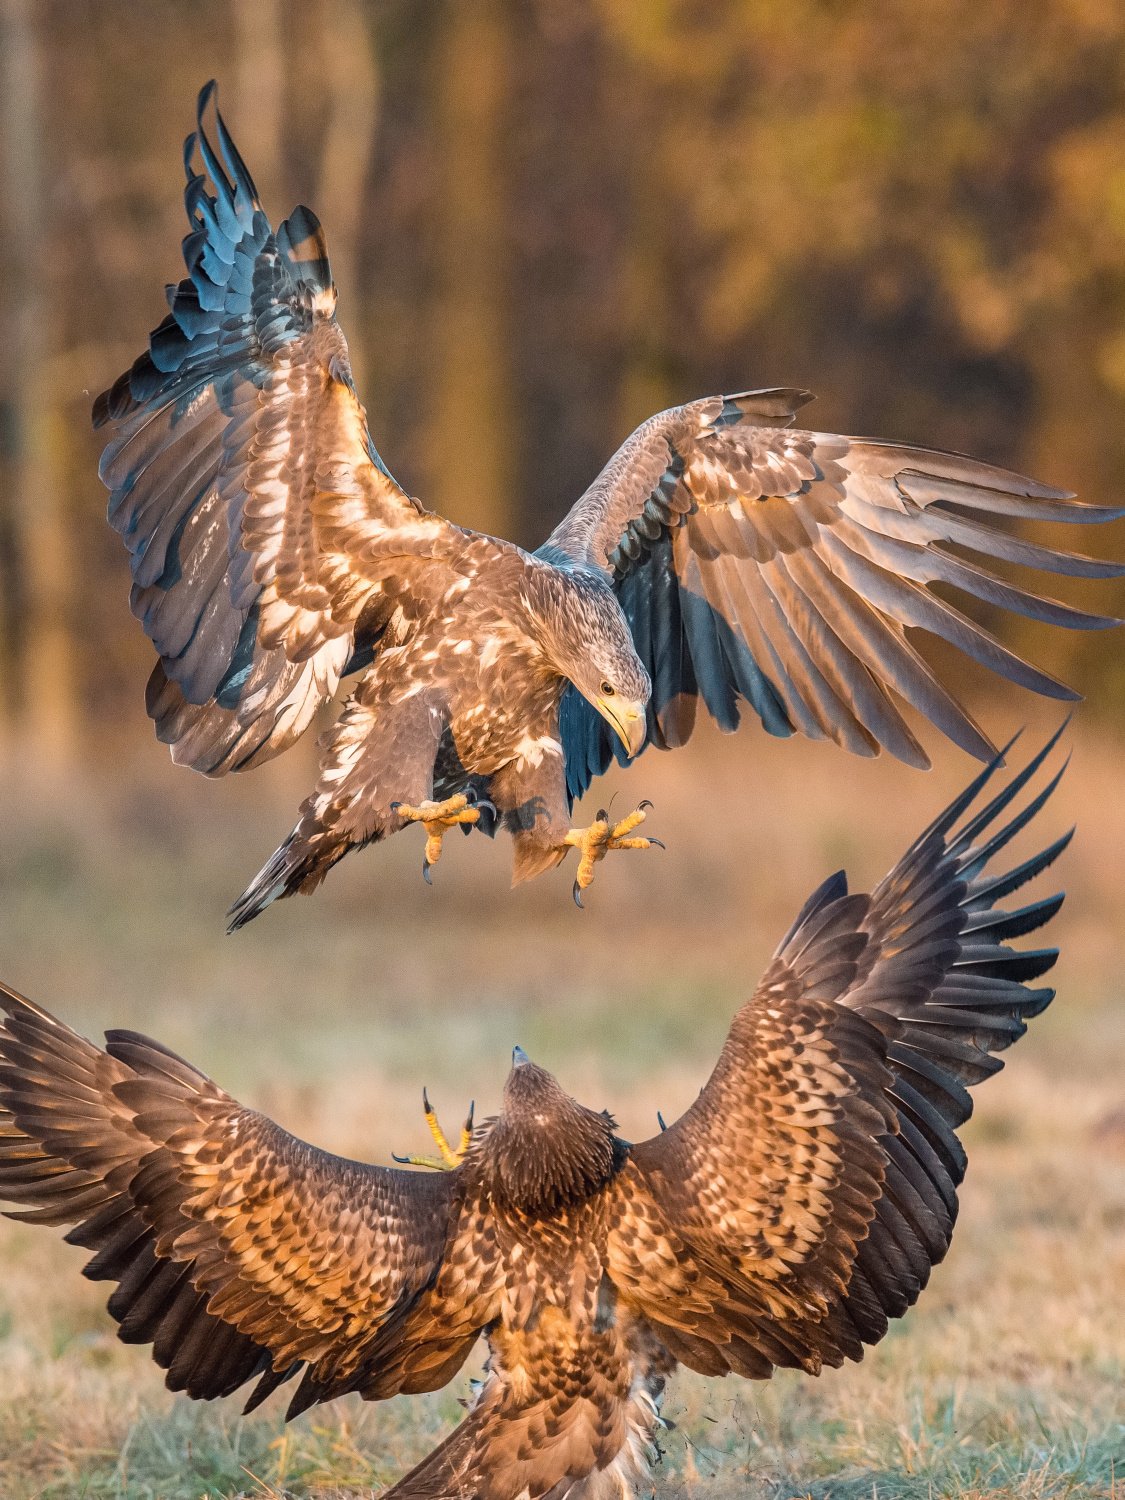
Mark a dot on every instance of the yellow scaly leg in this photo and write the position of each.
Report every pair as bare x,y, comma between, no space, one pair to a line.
437,818
448,1158
596,841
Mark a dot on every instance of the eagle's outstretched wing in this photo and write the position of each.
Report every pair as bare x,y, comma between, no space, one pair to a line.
238,1250
804,1197
782,567
268,539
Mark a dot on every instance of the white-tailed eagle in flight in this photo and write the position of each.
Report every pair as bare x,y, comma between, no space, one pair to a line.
796,1206
722,555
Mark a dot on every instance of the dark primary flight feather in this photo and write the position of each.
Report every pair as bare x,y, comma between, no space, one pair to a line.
798,1204
781,568
259,517
721,556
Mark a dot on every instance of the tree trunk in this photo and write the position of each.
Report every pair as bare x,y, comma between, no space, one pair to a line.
352,79
472,431
37,575
257,108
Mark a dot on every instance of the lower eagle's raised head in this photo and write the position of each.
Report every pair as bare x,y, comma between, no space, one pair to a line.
545,1150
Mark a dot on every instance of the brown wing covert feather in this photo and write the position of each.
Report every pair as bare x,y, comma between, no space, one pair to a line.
784,567
805,1196
740,1222
238,1249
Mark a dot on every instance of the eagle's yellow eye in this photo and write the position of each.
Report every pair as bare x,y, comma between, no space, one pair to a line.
607,689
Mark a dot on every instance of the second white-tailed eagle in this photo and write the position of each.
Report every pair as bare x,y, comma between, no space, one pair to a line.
796,1206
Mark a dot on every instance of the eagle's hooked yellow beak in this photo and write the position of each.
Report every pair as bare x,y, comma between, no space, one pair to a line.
627,718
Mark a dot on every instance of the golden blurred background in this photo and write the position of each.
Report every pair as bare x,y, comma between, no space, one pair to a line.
548,220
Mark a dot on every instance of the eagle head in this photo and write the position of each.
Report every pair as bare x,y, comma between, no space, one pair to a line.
545,1150
593,646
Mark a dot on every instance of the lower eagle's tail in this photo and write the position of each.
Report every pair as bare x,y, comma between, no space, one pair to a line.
584,1438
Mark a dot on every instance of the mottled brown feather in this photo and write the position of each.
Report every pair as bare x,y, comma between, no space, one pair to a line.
753,507
796,1206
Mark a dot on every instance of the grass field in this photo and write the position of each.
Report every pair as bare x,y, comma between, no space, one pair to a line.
331,1013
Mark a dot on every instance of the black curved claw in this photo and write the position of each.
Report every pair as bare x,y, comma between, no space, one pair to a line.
603,816
484,805
468,1125
658,844
426,1105
394,808
578,897
659,1116
642,805
402,1160
426,871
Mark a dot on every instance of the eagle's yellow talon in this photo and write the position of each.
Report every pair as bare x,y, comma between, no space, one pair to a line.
448,1158
596,841
437,818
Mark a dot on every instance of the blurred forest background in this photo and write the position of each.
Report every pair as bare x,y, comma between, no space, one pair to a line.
549,219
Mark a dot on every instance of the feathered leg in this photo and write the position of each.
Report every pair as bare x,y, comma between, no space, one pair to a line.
532,802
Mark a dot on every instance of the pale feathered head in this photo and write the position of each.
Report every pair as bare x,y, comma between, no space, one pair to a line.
589,641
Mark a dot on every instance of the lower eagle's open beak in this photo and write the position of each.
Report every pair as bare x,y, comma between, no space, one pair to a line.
628,719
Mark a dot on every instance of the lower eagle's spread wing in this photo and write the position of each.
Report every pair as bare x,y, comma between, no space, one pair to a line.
267,538
783,567
238,1250
741,1222
804,1197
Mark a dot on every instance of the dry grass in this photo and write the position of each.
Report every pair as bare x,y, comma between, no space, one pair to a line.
331,1013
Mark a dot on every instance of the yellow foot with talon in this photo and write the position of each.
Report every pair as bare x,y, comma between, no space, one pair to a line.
448,1158
596,841
437,818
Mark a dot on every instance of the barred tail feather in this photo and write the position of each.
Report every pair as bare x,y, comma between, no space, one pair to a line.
296,868
453,1465
596,1444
